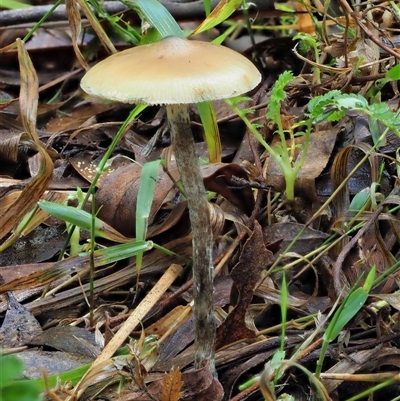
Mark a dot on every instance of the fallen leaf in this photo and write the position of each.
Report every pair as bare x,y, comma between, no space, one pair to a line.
199,385
19,325
70,339
245,275
171,386
221,182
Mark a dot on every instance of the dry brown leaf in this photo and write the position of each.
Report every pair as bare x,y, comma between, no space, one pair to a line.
118,196
19,326
69,339
246,274
222,182
33,189
199,385
86,166
171,386
11,143
97,27
74,18
309,240
352,364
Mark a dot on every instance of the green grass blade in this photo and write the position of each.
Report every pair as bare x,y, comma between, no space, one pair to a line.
122,251
211,131
351,305
157,16
79,218
223,11
207,7
13,4
147,187
346,311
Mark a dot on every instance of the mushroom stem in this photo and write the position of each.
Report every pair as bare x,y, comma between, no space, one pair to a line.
189,170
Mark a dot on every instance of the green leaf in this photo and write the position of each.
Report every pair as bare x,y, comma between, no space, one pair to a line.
75,216
207,6
148,180
316,104
351,101
382,112
360,199
147,186
11,388
307,41
350,307
211,131
394,73
278,95
26,391
13,4
369,281
333,105
121,251
11,367
157,16
221,12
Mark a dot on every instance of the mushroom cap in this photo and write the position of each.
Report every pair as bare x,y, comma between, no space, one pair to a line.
172,71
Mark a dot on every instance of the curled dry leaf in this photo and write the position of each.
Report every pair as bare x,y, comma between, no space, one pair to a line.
341,169
74,18
118,195
221,181
33,190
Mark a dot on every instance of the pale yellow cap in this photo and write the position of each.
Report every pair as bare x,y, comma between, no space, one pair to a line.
172,71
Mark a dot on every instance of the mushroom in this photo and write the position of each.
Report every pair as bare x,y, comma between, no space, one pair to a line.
176,72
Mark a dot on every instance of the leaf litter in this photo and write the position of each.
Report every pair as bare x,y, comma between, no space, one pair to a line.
343,223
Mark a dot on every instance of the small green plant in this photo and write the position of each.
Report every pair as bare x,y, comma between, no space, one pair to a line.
285,154
308,42
330,107
10,388
392,75
334,105
353,302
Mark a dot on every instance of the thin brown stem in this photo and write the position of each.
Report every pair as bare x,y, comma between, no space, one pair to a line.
189,169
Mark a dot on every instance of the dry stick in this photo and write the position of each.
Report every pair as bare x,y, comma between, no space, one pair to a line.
135,318
365,377
373,38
